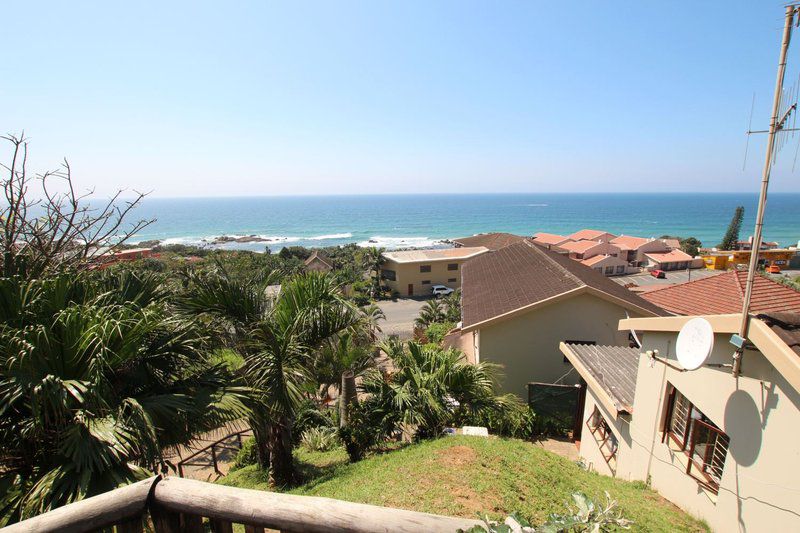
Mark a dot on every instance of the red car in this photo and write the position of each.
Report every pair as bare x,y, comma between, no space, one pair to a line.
658,274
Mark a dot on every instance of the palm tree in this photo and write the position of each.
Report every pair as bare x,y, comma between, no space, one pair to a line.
431,386
97,378
373,260
278,338
432,311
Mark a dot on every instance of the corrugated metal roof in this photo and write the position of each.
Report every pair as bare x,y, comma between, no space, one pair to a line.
411,256
614,367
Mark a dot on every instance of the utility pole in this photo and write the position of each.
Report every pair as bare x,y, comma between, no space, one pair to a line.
775,125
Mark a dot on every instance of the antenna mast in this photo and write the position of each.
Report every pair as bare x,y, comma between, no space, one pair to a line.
775,125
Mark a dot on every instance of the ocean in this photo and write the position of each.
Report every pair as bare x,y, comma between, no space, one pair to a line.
399,221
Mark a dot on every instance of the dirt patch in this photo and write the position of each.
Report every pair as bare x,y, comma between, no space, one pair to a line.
456,456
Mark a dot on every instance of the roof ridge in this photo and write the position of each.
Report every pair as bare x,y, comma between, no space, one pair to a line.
739,281
559,267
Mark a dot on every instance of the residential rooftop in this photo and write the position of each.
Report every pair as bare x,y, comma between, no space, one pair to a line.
629,242
492,241
549,238
669,257
613,368
723,294
588,234
439,254
522,275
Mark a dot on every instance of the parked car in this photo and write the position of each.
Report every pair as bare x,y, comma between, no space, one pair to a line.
773,269
660,274
441,290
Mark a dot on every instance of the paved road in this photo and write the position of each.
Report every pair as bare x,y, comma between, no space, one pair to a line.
400,315
673,278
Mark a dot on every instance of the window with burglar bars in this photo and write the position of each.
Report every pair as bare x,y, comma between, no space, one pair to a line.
606,440
705,445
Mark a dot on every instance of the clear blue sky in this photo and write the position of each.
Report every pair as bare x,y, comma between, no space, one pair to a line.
213,98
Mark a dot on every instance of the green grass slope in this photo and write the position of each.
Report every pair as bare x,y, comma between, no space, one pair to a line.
463,476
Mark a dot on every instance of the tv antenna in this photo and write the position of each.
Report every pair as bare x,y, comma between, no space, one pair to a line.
784,109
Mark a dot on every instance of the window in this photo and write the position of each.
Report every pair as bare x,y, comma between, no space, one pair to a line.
451,280
620,269
391,275
424,268
426,282
609,270
604,437
452,266
599,269
692,432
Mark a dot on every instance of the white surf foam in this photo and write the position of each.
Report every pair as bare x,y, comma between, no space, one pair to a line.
400,242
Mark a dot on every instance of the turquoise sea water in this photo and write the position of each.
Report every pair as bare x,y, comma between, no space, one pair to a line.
422,220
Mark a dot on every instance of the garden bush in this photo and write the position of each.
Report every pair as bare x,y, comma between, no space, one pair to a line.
320,439
246,456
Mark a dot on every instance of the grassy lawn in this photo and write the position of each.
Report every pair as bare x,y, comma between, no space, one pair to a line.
462,476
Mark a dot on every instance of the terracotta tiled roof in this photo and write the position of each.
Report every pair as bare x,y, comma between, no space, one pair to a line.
723,294
549,238
628,242
672,243
786,326
524,274
579,247
588,234
669,257
614,367
492,241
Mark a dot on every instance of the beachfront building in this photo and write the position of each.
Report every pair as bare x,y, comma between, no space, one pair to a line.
414,272
519,302
549,240
748,245
586,249
607,265
672,260
724,294
724,260
633,249
492,241
318,262
592,235
722,448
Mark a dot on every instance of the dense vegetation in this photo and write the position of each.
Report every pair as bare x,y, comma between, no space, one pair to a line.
465,476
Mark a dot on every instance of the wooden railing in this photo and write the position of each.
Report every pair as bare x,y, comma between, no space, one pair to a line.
212,448
174,504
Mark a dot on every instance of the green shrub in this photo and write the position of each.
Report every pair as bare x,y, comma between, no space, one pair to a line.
320,439
246,456
511,419
310,416
435,333
368,426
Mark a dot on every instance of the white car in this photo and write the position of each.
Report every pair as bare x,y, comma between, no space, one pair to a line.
441,290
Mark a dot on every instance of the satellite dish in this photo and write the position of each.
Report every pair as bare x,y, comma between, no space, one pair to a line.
695,342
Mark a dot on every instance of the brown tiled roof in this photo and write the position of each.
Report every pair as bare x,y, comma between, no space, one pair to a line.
492,241
321,256
614,367
524,274
723,294
786,326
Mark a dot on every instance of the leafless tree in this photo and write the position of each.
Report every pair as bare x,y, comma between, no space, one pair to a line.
48,227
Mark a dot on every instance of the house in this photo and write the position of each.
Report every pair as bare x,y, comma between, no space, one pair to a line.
608,265
672,260
548,240
591,235
413,272
492,241
634,248
519,302
723,294
318,262
748,245
105,257
723,260
586,249
720,447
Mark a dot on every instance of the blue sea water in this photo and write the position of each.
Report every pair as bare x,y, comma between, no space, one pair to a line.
394,221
